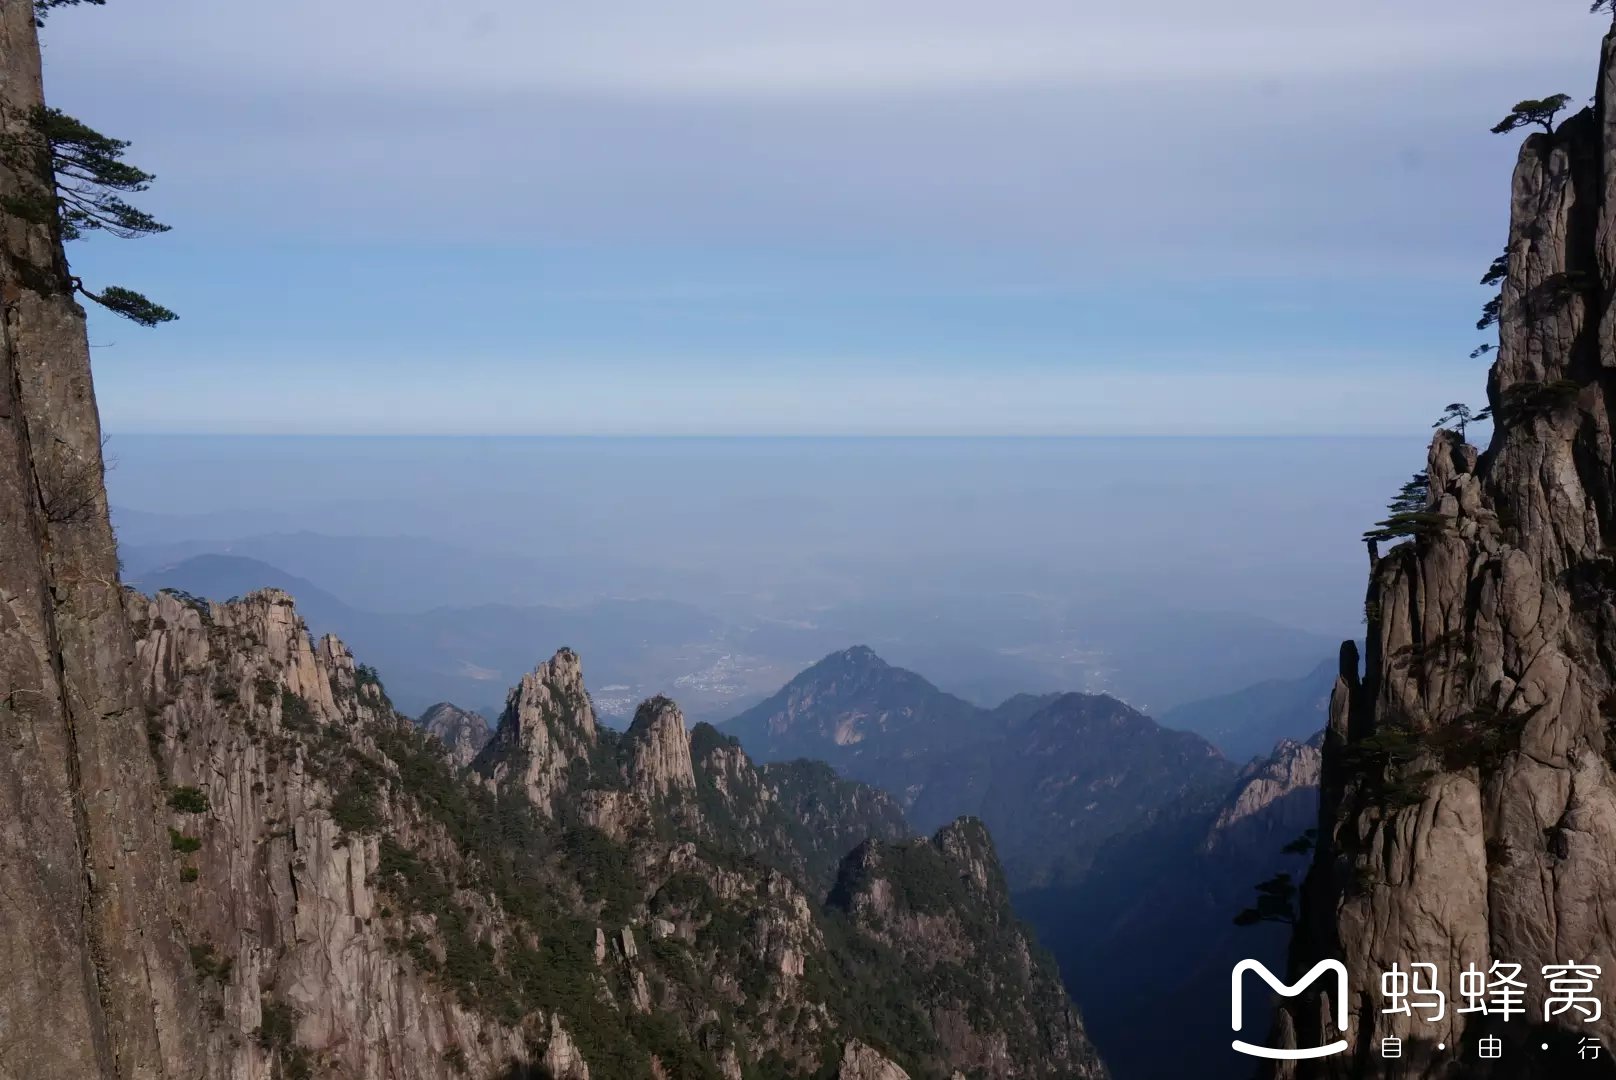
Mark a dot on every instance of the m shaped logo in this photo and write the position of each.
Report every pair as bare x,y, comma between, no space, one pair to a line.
1333,966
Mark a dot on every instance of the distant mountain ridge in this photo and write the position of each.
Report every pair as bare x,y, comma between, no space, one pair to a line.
853,705
1249,722
1053,776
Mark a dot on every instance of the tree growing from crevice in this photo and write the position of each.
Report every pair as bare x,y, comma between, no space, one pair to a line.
1533,111
1460,416
82,180
1276,897
1408,513
1276,902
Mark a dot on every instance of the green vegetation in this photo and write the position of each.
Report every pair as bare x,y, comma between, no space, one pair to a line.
209,964
1277,897
195,603
1527,399
1461,417
1480,739
365,677
44,7
355,808
277,1033
295,712
188,800
1380,762
178,841
81,180
1409,514
188,874
1533,111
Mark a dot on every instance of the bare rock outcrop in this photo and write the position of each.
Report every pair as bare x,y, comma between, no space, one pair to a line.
659,748
1468,800
942,905
548,724
463,734
1274,801
272,818
861,1062
96,980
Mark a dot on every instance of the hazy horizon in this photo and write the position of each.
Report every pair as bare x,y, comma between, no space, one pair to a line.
1159,569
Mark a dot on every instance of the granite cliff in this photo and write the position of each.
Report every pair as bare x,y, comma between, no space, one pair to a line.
593,903
1469,801
97,981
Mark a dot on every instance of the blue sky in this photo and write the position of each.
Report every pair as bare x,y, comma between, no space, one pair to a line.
726,216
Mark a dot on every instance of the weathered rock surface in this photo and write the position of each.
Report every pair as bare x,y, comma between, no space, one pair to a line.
1469,804
95,979
548,724
357,904
660,750
1274,801
860,1062
942,905
463,734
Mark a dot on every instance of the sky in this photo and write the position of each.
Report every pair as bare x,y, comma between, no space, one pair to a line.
792,217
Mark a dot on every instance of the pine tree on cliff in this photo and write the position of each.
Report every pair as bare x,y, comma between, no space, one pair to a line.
98,979
82,178
1461,416
44,7
1533,111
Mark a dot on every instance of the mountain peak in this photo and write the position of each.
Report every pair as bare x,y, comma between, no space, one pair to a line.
547,724
660,749
856,656
462,733
853,704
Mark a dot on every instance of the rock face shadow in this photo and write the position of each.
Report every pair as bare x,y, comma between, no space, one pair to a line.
519,1071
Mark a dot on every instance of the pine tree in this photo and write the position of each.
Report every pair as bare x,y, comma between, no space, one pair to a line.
44,7
1461,416
83,179
1533,111
1408,513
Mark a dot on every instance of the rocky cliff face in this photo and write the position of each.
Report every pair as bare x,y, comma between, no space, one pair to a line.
463,734
941,906
354,902
1469,804
548,725
96,982
1275,801
659,759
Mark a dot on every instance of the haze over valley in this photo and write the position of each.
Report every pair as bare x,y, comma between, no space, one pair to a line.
715,569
